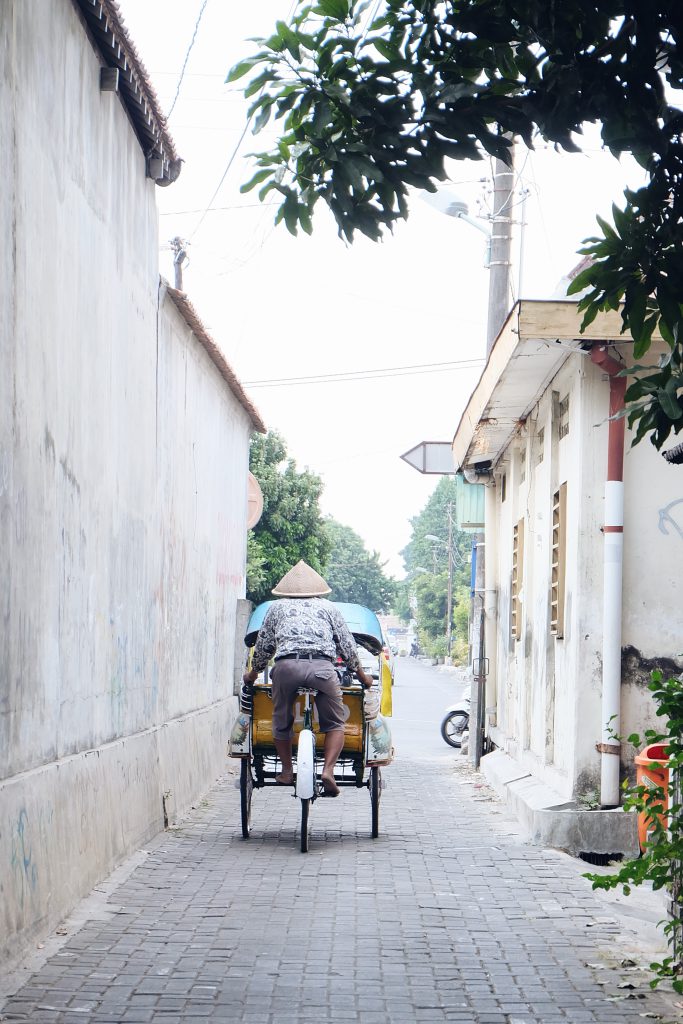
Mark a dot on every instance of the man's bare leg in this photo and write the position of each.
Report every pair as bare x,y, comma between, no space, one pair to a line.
334,744
284,752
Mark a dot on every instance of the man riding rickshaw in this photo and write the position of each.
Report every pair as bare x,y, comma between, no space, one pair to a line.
305,681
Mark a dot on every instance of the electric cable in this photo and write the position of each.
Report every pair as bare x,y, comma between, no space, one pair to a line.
223,177
360,375
187,57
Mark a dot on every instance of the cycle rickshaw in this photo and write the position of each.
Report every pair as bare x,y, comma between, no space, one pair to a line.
367,738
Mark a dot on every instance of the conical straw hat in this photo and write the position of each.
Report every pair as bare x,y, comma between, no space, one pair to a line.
301,581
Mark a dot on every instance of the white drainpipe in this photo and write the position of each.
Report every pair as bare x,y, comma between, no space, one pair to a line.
611,643
612,581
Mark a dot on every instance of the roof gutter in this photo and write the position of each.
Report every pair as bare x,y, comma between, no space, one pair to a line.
613,532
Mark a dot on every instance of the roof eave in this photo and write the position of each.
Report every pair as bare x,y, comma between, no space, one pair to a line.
547,331
130,79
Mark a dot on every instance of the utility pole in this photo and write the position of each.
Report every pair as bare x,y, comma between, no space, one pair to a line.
180,256
449,602
498,307
501,248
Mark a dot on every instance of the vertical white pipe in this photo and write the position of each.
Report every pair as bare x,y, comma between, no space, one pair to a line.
611,642
492,529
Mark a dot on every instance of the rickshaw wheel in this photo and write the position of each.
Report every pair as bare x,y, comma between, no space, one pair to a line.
305,824
246,789
375,793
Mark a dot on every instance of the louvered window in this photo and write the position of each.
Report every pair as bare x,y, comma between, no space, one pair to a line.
517,579
541,445
563,427
558,562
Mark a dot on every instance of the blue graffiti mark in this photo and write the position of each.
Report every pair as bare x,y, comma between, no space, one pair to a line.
666,519
22,856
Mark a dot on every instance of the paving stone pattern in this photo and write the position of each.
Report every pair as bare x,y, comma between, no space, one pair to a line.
448,916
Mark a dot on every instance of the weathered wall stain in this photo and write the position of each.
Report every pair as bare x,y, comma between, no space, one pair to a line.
637,670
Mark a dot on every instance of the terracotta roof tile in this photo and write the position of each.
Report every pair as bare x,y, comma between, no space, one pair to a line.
110,35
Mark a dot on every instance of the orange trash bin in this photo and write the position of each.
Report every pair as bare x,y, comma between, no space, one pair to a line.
652,770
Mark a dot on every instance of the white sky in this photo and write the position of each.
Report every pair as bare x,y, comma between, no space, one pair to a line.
283,307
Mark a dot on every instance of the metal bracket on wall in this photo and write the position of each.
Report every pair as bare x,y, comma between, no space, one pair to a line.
608,748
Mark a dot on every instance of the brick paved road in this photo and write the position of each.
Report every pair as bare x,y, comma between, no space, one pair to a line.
446,917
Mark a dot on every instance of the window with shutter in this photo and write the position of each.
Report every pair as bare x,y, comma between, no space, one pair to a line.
557,578
517,579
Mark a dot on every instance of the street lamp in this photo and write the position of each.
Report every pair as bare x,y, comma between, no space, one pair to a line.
452,205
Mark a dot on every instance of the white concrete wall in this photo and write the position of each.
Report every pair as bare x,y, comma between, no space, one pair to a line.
123,464
549,689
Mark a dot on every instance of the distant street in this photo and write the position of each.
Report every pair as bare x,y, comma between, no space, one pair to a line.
446,917
421,695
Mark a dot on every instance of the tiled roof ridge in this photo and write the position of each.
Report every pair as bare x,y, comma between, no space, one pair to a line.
193,321
111,37
116,17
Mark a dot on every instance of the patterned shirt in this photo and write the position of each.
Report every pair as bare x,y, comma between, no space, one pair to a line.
309,625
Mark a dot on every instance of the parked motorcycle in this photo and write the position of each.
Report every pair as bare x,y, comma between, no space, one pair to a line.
456,721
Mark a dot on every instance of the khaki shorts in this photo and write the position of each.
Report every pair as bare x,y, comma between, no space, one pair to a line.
287,676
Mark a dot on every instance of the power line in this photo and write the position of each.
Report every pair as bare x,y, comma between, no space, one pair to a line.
223,177
359,375
187,56
216,209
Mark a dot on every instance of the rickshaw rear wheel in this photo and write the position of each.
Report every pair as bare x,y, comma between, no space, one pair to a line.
305,824
246,789
375,793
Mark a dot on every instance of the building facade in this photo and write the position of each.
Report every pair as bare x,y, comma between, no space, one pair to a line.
537,433
124,446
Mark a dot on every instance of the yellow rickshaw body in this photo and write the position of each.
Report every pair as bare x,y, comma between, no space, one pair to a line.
262,721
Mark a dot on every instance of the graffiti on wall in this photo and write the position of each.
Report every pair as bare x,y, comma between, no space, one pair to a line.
22,858
669,521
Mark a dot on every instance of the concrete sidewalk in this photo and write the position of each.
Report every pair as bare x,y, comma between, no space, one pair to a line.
448,916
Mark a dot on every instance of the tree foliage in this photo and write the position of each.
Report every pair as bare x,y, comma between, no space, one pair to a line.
291,526
371,107
426,563
432,521
660,864
354,573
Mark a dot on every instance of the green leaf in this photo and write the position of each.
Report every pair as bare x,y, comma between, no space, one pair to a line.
337,9
581,281
305,219
289,38
607,229
386,49
366,167
263,118
589,316
669,404
253,182
621,220
241,69
265,190
636,305
643,342
669,307
291,214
